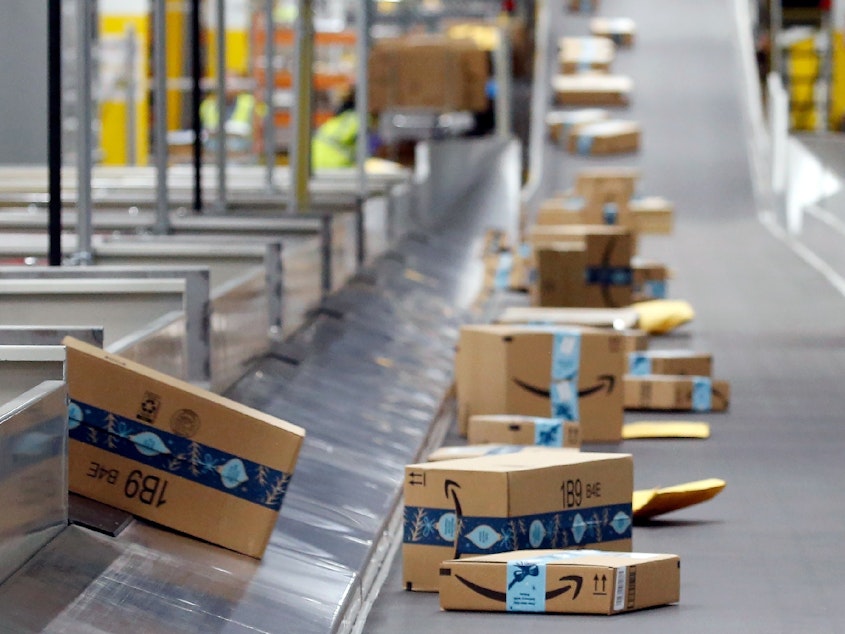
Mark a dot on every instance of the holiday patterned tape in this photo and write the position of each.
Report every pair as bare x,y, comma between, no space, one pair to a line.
486,535
178,455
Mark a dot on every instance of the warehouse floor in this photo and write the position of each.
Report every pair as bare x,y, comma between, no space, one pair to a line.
765,555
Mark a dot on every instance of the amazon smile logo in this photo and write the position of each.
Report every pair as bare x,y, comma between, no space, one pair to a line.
570,583
606,382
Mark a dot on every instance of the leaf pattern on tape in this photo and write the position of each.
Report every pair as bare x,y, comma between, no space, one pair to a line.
196,458
262,475
417,525
277,492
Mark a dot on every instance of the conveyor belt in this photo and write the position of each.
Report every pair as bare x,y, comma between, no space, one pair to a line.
765,555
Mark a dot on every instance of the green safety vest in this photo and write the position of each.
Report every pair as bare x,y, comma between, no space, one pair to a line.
242,113
333,144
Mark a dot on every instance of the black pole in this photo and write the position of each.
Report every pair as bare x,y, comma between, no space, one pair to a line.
54,127
196,97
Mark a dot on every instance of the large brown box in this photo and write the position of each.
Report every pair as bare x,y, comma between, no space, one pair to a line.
558,371
428,72
551,498
565,582
589,89
175,454
582,54
592,270
604,137
677,393
674,362
510,429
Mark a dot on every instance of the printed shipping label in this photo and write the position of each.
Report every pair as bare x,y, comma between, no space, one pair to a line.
621,589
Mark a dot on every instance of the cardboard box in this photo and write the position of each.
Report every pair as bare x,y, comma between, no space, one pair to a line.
559,122
582,6
589,89
592,270
458,452
622,31
616,318
172,453
607,183
650,280
652,214
430,71
633,340
523,430
558,371
674,362
508,270
554,498
604,137
563,582
584,54
678,393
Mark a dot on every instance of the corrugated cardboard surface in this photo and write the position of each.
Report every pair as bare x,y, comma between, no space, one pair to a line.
580,582
177,455
506,369
672,393
674,362
556,498
592,90
523,430
605,137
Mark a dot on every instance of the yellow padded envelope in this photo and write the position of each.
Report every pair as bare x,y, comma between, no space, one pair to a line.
650,503
659,316
665,429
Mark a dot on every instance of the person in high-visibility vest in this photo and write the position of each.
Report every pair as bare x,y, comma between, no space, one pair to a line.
239,121
333,144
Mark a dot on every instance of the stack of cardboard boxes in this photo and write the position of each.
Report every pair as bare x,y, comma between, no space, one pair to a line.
428,71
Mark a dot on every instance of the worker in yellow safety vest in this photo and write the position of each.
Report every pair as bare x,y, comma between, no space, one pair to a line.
239,121
333,144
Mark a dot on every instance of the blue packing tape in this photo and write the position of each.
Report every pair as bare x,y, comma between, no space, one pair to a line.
486,535
584,144
178,455
702,394
639,363
566,361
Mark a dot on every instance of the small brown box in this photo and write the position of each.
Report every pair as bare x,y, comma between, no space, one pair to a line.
564,582
676,393
523,430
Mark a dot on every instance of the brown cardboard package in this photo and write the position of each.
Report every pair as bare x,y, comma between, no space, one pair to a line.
556,581
551,498
559,122
607,183
507,269
622,31
652,214
673,362
582,6
175,454
523,430
650,280
678,393
589,89
583,54
616,318
558,371
456,452
592,269
604,137
633,340
429,71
